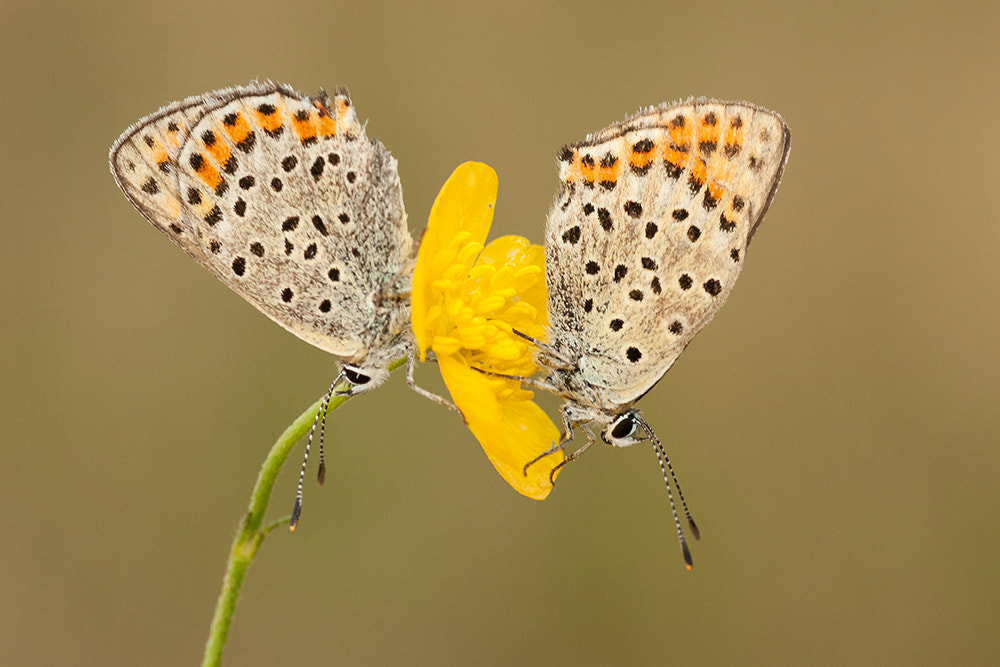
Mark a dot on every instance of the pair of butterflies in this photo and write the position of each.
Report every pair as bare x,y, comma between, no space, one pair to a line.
284,198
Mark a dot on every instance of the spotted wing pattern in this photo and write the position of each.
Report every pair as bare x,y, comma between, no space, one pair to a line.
285,199
650,231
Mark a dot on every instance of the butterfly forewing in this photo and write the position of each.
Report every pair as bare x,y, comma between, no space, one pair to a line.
649,234
283,198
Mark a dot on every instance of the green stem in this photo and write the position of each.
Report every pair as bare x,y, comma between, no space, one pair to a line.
250,535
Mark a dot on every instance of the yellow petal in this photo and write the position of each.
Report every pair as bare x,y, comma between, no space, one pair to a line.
465,204
512,431
512,251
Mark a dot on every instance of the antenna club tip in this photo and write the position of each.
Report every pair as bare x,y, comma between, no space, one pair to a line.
688,562
321,474
291,529
694,529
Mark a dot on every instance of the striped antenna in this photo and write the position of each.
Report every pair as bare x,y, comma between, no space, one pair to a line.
297,510
661,456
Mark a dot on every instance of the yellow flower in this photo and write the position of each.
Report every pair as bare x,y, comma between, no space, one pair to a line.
465,302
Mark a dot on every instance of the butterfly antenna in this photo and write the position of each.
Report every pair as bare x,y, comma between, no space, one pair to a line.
297,510
677,485
661,456
321,473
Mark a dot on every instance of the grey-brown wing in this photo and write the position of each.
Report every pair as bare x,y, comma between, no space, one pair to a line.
649,233
282,197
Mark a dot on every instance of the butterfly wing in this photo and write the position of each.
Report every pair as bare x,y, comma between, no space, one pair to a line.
649,233
283,198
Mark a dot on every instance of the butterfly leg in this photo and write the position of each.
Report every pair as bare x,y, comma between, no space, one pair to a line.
411,363
567,436
574,455
531,382
549,356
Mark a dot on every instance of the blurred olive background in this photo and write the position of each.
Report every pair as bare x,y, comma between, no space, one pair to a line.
835,429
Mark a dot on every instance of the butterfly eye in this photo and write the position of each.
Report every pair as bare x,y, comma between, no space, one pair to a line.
620,432
623,428
355,377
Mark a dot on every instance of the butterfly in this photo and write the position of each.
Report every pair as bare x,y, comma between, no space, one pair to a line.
283,198
643,245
